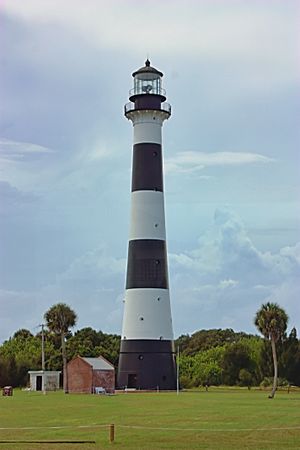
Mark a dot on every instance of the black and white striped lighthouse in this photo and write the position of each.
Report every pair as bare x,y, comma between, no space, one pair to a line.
147,358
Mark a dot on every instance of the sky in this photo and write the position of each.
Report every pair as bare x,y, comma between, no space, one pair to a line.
231,157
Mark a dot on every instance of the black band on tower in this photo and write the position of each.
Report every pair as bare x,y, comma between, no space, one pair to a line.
147,264
147,167
147,364
147,346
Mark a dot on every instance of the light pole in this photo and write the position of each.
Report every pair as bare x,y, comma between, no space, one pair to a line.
43,357
177,378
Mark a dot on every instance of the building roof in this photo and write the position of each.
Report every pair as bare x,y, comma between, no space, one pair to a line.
147,68
99,363
46,372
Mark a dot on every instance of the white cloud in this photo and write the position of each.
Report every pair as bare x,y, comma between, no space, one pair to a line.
20,151
93,285
95,152
226,276
25,164
105,23
191,161
95,265
225,284
258,34
221,283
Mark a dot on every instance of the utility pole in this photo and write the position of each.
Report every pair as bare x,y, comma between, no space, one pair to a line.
177,378
43,358
43,347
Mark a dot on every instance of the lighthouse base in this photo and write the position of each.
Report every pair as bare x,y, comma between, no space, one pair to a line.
147,364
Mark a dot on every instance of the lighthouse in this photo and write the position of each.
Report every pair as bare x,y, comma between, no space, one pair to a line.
147,357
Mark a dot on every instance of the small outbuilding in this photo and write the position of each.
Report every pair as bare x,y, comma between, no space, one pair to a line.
91,375
44,380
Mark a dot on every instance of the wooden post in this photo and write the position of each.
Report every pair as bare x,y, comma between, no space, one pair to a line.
111,433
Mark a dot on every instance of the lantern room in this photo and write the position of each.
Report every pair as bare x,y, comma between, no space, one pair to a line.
147,93
147,80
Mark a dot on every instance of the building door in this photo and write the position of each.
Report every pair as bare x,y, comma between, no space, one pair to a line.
39,381
132,380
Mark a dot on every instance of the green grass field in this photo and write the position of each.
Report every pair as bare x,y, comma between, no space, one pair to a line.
219,419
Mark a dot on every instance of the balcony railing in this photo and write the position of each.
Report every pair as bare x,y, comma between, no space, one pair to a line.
166,107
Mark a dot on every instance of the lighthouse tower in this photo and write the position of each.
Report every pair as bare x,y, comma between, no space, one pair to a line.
147,358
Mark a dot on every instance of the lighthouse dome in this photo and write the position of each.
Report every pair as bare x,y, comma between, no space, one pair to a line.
147,68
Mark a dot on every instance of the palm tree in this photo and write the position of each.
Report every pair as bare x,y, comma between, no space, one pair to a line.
59,319
271,321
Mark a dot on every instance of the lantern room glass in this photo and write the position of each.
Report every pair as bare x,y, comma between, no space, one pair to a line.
147,83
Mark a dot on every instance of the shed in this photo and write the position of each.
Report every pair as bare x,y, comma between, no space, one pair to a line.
44,380
91,375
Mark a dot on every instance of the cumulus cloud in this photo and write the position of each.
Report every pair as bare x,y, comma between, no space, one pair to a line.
96,266
93,285
191,161
221,283
225,279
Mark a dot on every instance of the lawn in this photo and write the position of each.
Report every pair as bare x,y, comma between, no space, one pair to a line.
219,419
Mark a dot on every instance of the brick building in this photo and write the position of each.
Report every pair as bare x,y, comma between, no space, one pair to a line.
90,375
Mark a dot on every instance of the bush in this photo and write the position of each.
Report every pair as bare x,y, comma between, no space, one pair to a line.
268,382
245,378
186,382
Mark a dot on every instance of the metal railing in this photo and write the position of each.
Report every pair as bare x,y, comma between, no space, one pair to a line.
166,107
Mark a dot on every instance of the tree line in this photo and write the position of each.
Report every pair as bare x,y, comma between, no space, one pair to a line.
207,357
23,351
217,357
225,357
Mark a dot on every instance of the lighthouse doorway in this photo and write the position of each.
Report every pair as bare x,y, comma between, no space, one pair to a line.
132,380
